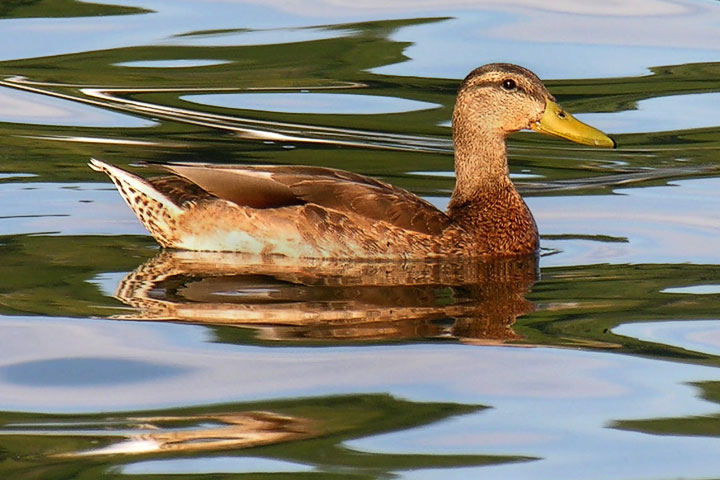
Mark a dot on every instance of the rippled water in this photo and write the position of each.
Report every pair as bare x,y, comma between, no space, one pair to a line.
597,360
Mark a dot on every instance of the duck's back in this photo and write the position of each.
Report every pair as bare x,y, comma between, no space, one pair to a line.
291,211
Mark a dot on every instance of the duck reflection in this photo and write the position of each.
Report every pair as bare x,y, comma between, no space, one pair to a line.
475,301
193,433
313,431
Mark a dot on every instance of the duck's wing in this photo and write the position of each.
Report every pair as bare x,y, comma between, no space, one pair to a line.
280,186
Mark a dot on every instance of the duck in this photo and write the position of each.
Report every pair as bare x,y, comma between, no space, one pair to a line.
317,212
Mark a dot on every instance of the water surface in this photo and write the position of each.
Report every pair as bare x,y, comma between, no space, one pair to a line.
123,361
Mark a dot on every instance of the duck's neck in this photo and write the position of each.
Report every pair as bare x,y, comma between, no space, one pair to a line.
480,160
485,203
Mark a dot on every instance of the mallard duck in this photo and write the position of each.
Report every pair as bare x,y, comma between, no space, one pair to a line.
316,212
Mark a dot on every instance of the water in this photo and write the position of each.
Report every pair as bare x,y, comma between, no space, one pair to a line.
597,360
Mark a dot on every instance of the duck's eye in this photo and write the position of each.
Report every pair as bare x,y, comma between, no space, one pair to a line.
509,84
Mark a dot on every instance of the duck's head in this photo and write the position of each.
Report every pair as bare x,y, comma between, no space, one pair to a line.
505,98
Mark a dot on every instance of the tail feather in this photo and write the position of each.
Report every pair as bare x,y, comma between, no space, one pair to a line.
155,210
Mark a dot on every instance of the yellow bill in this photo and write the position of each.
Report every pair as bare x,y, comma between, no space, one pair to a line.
558,122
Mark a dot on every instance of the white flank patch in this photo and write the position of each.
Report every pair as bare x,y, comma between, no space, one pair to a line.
235,241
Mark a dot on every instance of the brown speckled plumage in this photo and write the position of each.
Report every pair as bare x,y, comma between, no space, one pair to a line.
325,213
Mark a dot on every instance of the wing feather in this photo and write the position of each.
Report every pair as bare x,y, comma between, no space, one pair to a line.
281,186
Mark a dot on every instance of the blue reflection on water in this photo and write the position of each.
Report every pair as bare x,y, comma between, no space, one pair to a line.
476,32
699,336
660,114
550,404
213,465
23,107
83,371
320,103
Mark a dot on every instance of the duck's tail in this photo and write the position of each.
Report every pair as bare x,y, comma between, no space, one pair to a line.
155,210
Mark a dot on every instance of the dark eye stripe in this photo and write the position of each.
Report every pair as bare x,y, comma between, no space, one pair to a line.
494,84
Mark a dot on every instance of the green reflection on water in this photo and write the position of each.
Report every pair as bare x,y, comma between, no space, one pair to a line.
585,303
696,426
342,64
50,275
61,8
308,431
